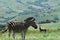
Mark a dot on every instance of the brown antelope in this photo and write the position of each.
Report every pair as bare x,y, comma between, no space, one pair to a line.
42,29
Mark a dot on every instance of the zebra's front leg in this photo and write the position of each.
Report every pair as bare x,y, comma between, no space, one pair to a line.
23,35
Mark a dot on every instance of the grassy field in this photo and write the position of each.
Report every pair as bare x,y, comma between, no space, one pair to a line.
53,33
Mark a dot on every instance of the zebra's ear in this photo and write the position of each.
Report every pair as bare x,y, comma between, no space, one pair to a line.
30,19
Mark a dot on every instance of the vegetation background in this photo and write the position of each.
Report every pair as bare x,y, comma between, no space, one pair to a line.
18,10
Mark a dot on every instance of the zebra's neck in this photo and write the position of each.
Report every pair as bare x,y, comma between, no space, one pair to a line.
26,24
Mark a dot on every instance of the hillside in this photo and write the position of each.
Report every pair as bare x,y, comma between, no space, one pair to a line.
18,10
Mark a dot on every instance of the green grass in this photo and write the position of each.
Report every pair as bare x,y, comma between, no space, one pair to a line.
32,34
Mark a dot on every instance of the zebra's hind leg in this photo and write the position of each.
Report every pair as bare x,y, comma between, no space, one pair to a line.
9,34
14,36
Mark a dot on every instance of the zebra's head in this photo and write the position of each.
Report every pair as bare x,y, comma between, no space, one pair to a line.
31,22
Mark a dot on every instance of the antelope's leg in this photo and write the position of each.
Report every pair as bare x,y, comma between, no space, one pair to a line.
14,36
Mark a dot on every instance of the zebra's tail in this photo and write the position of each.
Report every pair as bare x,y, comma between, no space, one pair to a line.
4,31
